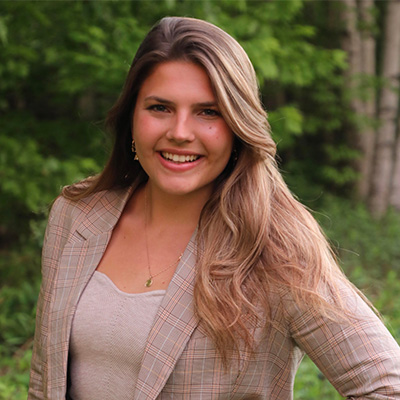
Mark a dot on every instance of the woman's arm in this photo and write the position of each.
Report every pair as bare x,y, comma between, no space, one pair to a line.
54,240
360,358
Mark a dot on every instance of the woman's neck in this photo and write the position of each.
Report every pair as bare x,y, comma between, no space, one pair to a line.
166,210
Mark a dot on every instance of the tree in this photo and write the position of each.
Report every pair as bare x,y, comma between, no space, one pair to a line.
395,195
376,141
382,182
359,43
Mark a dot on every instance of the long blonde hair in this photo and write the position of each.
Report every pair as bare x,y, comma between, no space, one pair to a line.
254,236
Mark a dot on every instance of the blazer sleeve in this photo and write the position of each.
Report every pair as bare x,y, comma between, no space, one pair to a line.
54,241
359,357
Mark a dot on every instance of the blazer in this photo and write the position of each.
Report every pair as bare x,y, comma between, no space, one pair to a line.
361,359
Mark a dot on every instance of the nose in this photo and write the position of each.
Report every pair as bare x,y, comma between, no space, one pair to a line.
181,129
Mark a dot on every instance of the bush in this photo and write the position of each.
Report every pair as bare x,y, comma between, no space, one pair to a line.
367,248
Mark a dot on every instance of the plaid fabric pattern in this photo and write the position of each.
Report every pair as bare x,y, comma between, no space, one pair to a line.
361,360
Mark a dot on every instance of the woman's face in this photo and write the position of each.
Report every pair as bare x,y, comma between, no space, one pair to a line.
182,141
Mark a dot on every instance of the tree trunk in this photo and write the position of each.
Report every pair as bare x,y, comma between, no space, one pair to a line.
351,43
395,195
360,47
386,133
367,134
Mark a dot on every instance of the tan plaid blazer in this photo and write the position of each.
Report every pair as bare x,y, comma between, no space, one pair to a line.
361,360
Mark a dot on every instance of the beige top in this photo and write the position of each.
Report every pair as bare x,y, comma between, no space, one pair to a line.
108,338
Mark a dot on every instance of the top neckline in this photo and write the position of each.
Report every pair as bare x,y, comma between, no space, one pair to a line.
109,281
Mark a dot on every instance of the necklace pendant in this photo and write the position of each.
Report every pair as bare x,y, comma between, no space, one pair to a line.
149,282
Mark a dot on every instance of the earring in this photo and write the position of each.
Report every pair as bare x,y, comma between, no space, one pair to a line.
234,155
133,149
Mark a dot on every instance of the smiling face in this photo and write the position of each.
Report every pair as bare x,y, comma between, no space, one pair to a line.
182,141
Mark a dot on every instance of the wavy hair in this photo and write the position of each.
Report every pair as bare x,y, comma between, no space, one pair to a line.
254,237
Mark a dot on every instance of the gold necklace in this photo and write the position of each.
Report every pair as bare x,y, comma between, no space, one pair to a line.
149,281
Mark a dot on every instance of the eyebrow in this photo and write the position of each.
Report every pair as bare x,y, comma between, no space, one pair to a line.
169,102
157,99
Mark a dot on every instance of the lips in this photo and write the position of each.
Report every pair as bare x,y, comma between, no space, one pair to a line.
179,158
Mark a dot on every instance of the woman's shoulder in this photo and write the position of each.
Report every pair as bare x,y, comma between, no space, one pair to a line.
67,210
70,204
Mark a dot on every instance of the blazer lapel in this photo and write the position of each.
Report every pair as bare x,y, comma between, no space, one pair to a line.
172,329
80,257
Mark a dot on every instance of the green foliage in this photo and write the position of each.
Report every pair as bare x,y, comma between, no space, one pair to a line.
17,315
286,124
339,170
14,375
17,319
311,384
366,247
30,178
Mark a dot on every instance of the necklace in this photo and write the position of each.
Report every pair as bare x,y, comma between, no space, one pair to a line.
149,281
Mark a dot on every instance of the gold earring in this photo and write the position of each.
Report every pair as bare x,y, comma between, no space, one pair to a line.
133,149
234,155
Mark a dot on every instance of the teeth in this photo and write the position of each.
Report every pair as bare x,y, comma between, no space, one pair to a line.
179,158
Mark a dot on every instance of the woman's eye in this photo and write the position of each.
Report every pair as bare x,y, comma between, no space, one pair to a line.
209,112
158,107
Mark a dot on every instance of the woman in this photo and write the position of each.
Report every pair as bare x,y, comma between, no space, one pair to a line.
186,269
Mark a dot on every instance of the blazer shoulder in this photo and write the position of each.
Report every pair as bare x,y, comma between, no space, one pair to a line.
66,214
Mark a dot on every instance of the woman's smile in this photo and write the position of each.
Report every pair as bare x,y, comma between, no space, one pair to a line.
179,158
179,162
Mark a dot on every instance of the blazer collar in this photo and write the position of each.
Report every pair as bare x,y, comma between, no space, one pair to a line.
103,211
172,329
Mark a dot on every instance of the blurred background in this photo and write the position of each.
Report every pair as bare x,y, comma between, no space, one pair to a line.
329,76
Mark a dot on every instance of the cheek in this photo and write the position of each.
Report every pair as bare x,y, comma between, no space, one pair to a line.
225,139
221,138
145,129
140,124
